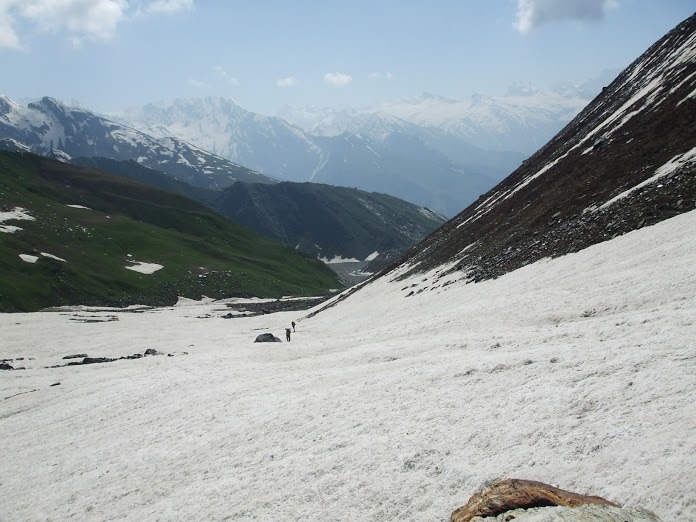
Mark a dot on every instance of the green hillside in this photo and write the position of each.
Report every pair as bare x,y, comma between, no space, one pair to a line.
327,221
201,252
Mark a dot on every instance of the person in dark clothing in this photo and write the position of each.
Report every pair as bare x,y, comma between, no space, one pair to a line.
287,333
293,326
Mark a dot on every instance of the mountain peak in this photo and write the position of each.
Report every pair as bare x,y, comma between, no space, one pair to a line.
428,96
522,89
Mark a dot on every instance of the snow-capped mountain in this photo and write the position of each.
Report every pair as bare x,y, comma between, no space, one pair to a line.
265,144
374,152
434,151
626,161
520,121
49,125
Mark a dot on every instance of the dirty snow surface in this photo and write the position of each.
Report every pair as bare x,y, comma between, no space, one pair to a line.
579,372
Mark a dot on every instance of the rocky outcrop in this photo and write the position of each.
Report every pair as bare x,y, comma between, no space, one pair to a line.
511,494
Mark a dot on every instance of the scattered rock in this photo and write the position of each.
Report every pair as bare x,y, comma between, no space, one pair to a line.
267,338
55,384
76,356
152,351
95,360
508,494
6,366
246,309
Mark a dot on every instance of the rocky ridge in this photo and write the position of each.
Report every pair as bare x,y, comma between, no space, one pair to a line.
626,161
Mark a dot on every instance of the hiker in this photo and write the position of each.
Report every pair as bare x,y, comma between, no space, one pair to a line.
287,333
293,326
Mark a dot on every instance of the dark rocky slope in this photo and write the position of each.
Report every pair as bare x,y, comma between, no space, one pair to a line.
625,162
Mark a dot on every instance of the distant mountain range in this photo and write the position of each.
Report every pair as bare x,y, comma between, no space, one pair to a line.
434,151
50,125
380,154
521,121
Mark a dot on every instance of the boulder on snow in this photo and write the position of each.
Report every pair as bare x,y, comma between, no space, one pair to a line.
512,494
76,356
152,351
6,366
267,338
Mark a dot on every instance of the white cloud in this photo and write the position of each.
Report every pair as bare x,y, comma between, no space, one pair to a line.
96,19
380,76
337,79
196,83
80,19
533,13
168,6
8,36
288,81
230,80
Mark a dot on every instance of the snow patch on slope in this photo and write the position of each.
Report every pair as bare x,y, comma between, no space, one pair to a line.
143,267
16,214
28,258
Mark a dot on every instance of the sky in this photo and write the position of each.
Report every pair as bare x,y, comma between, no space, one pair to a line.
110,55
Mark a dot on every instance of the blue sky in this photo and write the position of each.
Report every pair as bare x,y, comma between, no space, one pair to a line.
112,54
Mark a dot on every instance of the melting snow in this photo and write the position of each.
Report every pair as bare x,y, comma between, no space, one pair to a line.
28,258
669,167
144,268
372,256
338,259
16,214
381,408
78,206
53,257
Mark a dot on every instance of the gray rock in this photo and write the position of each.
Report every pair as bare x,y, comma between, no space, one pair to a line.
267,338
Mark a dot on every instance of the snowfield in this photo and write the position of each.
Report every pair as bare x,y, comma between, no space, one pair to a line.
579,372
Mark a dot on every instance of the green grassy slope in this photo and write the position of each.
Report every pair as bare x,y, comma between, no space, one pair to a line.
327,220
134,170
202,253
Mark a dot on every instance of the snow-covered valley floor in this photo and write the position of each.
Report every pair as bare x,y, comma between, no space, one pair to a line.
579,372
